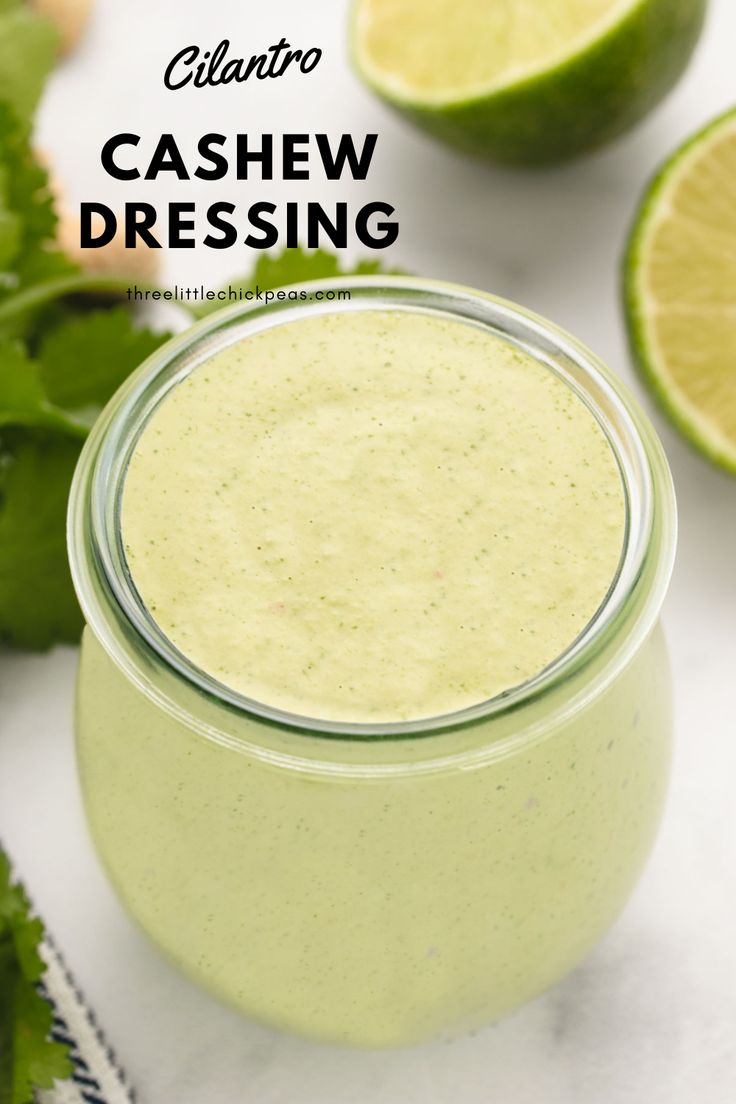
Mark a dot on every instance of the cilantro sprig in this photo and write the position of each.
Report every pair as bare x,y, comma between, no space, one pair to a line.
29,1059
52,388
28,47
65,347
39,442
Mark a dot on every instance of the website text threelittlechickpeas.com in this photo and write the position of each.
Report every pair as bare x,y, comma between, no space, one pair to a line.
234,294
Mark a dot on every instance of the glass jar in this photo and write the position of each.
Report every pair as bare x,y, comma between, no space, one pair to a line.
374,884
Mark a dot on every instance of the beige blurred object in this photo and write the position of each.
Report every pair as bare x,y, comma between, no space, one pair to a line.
114,259
70,17
140,263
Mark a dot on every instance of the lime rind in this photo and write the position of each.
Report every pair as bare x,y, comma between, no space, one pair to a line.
675,404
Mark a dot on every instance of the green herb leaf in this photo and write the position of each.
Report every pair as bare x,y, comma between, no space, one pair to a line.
48,406
33,311
23,400
10,233
291,267
84,361
28,47
37,602
296,265
27,217
29,1059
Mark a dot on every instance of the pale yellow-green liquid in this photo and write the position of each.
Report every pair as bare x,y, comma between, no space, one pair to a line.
373,516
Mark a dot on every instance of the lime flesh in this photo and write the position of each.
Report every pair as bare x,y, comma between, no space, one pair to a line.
482,45
524,81
680,280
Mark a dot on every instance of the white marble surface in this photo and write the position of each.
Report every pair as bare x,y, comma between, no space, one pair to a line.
651,1017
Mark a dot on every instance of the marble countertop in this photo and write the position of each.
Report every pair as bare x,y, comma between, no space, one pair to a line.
651,1016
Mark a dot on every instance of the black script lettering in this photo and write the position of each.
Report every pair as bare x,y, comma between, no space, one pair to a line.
310,60
188,56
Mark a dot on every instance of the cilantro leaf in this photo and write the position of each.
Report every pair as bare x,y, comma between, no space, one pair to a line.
10,233
23,400
84,361
27,217
29,1059
47,406
41,262
33,311
37,602
293,266
28,48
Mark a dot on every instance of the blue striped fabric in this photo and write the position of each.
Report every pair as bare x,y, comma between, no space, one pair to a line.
97,1077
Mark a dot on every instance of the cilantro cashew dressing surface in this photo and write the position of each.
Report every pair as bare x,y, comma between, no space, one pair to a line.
372,516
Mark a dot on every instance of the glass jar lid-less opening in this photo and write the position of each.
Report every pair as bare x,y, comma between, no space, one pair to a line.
125,627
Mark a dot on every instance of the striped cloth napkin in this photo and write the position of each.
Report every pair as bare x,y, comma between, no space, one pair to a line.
97,1077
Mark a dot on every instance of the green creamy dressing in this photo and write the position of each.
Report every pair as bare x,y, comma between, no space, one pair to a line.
372,516
369,516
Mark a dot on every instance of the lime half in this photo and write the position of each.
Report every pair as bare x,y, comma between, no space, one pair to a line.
524,81
680,283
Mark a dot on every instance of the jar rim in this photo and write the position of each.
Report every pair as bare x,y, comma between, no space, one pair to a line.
95,543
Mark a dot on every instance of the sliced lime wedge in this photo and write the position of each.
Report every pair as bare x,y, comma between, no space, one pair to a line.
680,278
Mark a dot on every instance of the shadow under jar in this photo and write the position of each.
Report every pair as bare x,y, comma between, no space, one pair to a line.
364,867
